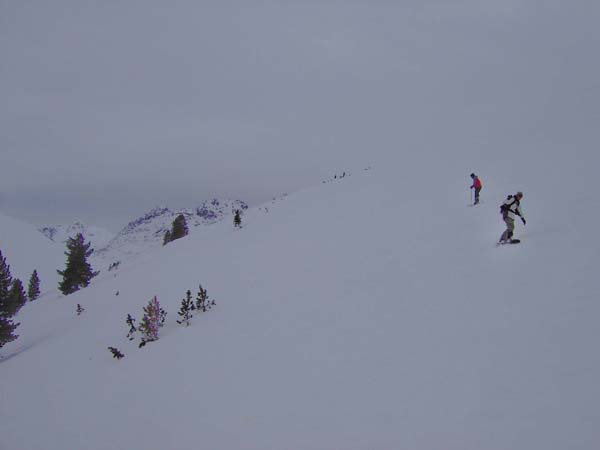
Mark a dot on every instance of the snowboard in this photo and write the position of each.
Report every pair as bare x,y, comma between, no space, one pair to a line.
512,241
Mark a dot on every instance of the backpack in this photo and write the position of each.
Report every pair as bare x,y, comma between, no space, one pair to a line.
504,208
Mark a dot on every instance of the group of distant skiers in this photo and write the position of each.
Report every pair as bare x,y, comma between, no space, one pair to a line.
510,209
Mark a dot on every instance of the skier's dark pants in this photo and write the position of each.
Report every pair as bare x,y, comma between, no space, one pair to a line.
477,191
510,228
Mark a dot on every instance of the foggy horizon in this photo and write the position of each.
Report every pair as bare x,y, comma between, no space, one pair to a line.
111,109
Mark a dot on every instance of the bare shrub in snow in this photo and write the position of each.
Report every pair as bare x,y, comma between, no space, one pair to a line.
132,329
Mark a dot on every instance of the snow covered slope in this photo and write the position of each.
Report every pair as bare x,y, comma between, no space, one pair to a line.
374,312
98,237
27,250
147,231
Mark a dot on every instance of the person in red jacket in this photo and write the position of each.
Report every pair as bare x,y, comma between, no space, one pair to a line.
477,186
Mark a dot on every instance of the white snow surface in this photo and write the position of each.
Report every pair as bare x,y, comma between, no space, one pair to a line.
97,236
374,312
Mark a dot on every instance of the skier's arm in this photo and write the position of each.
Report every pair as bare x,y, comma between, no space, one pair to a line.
520,214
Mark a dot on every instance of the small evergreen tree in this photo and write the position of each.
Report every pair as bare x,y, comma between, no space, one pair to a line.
7,330
167,237
80,309
237,219
132,329
116,353
7,326
5,282
78,271
33,290
150,322
180,228
202,301
185,311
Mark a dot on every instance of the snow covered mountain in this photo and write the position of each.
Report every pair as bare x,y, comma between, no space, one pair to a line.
99,237
371,312
147,231
393,321
26,249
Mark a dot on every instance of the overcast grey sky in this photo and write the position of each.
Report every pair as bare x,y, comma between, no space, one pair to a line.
111,107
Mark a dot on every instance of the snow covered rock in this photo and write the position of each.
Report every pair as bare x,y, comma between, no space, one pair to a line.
147,231
99,237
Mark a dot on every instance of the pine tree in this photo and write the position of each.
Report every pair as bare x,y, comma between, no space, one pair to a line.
180,228
16,298
168,238
7,326
7,330
33,290
185,311
237,220
5,281
79,310
78,271
150,322
202,301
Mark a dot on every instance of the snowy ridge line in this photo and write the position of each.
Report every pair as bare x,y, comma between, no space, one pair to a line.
147,232
98,237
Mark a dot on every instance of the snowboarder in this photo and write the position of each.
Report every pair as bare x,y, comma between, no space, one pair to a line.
509,209
477,186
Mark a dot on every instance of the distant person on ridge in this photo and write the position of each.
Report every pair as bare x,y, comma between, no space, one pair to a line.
477,186
237,219
509,209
